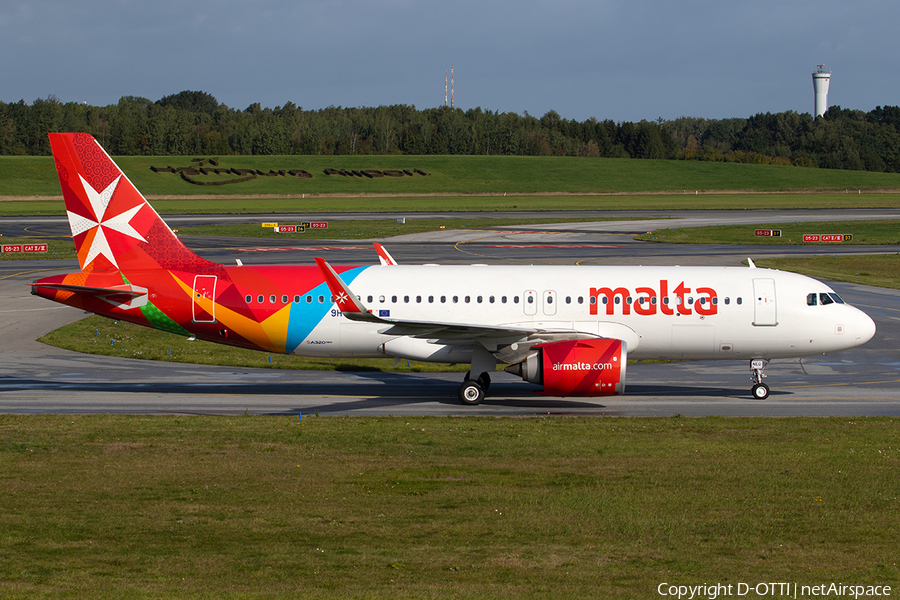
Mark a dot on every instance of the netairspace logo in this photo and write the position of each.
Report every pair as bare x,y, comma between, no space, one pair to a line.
772,590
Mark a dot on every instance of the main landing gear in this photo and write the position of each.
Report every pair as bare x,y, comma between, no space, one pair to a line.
471,391
759,390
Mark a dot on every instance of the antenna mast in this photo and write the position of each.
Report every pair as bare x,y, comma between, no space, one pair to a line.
451,86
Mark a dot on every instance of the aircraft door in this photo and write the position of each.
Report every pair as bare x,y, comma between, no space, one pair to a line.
529,302
764,309
204,306
549,302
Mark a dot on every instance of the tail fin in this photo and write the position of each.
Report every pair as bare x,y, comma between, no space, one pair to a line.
113,226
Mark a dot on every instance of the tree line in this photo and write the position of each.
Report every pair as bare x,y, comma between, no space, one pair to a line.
195,123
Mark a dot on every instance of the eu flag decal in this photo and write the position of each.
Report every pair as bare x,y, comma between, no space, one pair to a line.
384,313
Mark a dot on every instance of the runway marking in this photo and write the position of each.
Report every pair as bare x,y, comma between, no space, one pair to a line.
26,273
549,246
878,307
793,387
300,248
35,309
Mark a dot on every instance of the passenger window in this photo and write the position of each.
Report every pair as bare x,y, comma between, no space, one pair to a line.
309,299
515,299
406,299
549,299
455,299
381,299
272,298
479,299
284,299
430,299
369,299
418,299
467,299
811,299
321,299
297,299
260,299
727,300
394,299
593,299
740,300
580,300
568,299
249,298
503,299
491,299
530,299
443,299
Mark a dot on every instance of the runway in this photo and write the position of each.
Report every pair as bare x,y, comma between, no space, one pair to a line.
38,378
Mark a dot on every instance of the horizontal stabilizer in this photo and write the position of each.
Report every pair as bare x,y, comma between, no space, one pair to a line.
125,295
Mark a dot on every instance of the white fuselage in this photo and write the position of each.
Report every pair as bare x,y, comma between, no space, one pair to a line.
660,312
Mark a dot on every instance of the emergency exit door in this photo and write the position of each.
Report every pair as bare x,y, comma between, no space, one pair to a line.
765,312
204,299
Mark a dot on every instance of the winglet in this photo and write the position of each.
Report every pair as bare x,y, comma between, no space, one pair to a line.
343,297
383,255
750,262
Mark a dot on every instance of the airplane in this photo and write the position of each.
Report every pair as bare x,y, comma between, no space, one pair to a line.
570,329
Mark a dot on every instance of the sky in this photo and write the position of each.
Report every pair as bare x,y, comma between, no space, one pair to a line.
624,60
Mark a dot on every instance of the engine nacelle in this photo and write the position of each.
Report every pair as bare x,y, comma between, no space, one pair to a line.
586,367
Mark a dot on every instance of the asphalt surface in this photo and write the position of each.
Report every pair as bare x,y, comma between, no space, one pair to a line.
38,378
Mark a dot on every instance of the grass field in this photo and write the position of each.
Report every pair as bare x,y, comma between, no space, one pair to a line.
55,249
485,176
276,507
99,335
863,232
882,270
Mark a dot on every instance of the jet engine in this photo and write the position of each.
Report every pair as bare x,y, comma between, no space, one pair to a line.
585,367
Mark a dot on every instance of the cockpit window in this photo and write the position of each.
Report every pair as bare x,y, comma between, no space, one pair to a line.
825,299
811,299
836,298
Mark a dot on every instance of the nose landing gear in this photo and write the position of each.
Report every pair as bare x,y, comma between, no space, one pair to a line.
759,390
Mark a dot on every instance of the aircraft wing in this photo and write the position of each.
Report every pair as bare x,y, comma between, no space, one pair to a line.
353,309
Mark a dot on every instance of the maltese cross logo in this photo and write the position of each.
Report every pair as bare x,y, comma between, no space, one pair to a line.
103,223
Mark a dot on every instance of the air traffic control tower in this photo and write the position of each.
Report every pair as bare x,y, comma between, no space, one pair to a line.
821,79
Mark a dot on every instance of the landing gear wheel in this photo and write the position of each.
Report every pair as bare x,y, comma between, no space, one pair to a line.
760,391
484,380
470,392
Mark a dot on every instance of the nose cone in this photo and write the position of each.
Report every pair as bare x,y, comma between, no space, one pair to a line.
863,328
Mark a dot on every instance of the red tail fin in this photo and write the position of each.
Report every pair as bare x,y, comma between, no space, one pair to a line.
112,224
